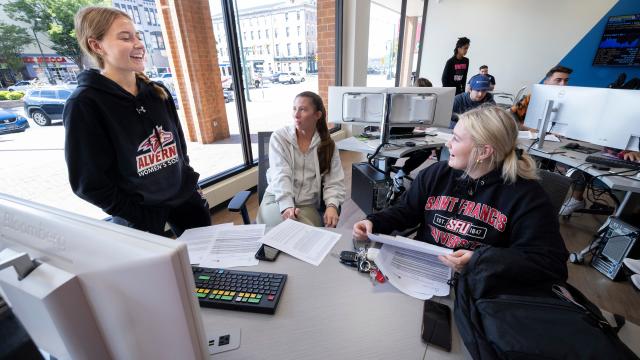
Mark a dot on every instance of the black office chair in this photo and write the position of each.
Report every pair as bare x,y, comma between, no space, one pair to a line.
556,186
239,201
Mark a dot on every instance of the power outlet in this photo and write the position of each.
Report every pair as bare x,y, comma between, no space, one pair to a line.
223,340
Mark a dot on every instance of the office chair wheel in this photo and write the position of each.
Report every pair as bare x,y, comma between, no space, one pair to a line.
575,259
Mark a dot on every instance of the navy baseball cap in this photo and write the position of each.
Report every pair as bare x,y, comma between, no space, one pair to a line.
480,83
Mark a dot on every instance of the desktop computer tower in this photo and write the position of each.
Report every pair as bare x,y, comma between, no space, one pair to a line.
618,242
368,188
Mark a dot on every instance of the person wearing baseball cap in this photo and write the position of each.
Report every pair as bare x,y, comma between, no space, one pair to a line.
479,94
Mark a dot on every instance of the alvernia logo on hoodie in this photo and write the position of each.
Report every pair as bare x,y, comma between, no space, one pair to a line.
156,152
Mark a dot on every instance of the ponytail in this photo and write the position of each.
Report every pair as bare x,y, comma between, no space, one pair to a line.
495,126
157,89
515,166
327,146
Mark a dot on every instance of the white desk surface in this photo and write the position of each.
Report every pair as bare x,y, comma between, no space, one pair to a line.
397,150
577,160
334,312
330,312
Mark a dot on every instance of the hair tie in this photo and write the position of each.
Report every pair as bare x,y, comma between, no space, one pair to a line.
518,153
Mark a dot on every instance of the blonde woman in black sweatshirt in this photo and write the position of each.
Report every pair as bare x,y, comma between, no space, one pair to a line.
124,147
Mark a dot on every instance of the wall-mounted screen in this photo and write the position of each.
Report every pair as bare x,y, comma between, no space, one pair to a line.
620,43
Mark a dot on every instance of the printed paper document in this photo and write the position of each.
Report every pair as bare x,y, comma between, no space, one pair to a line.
307,243
413,266
223,246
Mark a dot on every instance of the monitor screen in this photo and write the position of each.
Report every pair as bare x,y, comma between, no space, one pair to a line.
406,106
421,106
601,116
620,43
356,105
100,290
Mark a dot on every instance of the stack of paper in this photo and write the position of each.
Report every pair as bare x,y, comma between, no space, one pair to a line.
413,267
223,246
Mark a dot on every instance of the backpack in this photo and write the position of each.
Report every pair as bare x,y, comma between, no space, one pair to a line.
560,324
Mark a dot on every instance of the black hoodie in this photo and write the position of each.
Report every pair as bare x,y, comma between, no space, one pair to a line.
516,220
126,154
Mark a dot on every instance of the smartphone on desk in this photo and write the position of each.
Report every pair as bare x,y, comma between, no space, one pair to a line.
267,253
436,324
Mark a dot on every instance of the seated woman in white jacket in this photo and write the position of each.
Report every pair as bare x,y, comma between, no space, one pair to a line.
304,169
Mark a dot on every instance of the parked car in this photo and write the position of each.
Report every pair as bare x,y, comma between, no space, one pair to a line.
290,77
46,104
274,77
12,123
228,95
21,85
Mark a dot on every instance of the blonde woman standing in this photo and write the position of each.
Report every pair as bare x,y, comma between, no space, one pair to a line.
124,146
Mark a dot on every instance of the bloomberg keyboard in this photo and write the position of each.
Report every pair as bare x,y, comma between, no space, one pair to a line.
612,163
406,136
238,290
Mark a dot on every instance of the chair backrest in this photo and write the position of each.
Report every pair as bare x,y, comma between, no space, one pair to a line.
519,94
263,162
556,186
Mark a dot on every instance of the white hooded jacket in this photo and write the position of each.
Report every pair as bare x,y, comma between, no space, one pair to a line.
294,178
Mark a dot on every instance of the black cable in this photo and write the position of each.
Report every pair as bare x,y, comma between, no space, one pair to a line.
370,157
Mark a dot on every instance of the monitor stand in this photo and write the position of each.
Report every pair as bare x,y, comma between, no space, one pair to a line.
542,126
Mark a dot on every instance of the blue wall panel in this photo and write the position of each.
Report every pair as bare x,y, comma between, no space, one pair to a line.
581,56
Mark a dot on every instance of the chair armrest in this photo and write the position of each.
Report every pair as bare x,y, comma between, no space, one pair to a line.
238,201
239,204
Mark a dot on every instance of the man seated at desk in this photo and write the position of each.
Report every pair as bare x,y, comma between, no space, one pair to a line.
479,95
557,75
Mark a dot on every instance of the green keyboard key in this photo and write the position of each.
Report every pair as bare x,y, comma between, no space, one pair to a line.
226,298
201,295
203,277
254,300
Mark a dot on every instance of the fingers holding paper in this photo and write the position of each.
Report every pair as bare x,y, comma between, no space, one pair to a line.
362,229
457,260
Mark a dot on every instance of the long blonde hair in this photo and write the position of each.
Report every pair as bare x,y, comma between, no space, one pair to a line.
491,125
93,22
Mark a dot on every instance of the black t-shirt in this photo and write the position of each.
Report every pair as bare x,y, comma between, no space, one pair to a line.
455,73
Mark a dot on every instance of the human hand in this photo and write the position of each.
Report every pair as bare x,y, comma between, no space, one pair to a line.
290,213
457,260
362,229
331,217
633,156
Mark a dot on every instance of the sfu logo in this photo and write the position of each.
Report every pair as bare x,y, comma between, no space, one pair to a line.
459,226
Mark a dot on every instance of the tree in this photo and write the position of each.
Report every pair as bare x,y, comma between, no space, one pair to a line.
12,40
56,18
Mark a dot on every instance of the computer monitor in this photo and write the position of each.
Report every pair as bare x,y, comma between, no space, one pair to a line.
421,106
409,106
606,117
101,290
356,105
